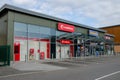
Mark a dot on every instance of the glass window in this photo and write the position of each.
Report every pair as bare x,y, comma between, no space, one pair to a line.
33,35
20,34
53,32
20,27
45,30
33,29
44,36
60,33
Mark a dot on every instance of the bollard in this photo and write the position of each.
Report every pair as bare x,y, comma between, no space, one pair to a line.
52,57
25,58
76,55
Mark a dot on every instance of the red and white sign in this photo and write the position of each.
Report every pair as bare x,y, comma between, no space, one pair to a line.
17,51
65,42
66,27
107,37
17,43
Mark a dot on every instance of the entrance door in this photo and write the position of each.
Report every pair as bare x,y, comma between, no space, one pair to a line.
65,51
58,51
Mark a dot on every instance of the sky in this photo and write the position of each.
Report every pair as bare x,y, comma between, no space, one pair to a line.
94,13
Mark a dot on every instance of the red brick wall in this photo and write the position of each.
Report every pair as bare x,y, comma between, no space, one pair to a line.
117,48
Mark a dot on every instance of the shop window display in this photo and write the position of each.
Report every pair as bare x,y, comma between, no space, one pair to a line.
34,40
20,36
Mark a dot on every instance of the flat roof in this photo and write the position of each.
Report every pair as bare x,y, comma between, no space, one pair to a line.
7,7
111,35
109,26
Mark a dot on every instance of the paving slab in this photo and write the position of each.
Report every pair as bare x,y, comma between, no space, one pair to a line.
34,66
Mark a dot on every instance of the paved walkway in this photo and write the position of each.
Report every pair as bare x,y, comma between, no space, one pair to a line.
41,65
47,65
34,66
6,70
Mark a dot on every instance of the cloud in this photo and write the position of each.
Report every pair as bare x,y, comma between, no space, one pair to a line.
105,12
3,2
27,3
89,12
24,2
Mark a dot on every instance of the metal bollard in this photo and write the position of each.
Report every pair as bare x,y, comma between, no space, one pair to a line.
52,57
76,55
25,58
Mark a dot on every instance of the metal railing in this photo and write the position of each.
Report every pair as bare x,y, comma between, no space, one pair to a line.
4,55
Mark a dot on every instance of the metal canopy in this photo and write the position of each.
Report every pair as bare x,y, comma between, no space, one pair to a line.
70,36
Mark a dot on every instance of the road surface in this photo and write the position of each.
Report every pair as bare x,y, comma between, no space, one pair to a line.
107,68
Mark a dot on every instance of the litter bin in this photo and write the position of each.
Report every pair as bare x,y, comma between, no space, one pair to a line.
42,55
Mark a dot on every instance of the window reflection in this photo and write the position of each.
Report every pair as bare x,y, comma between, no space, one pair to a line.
34,37
45,30
20,27
33,29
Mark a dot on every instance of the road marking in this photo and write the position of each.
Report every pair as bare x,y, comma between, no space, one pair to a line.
21,74
107,75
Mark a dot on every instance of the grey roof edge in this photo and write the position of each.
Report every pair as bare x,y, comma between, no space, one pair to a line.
110,26
3,7
110,35
25,11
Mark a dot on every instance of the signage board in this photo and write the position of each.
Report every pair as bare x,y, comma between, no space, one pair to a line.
93,33
66,27
65,41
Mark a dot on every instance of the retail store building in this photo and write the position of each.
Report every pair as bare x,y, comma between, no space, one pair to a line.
35,36
115,30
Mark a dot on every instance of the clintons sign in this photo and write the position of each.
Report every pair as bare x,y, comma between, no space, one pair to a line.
66,27
65,41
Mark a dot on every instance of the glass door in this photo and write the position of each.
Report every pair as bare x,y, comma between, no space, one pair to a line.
58,51
65,51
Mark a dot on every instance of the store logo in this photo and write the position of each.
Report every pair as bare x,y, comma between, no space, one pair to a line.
65,27
65,42
93,33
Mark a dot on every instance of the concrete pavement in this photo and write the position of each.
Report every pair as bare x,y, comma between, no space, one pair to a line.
34,66
92,71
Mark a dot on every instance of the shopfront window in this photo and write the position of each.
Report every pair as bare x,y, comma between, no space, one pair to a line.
45,41
34,40
20,29
20,41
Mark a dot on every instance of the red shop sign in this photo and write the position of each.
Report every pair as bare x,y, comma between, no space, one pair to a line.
66,27
65,42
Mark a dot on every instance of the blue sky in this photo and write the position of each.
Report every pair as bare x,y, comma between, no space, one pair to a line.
95,13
